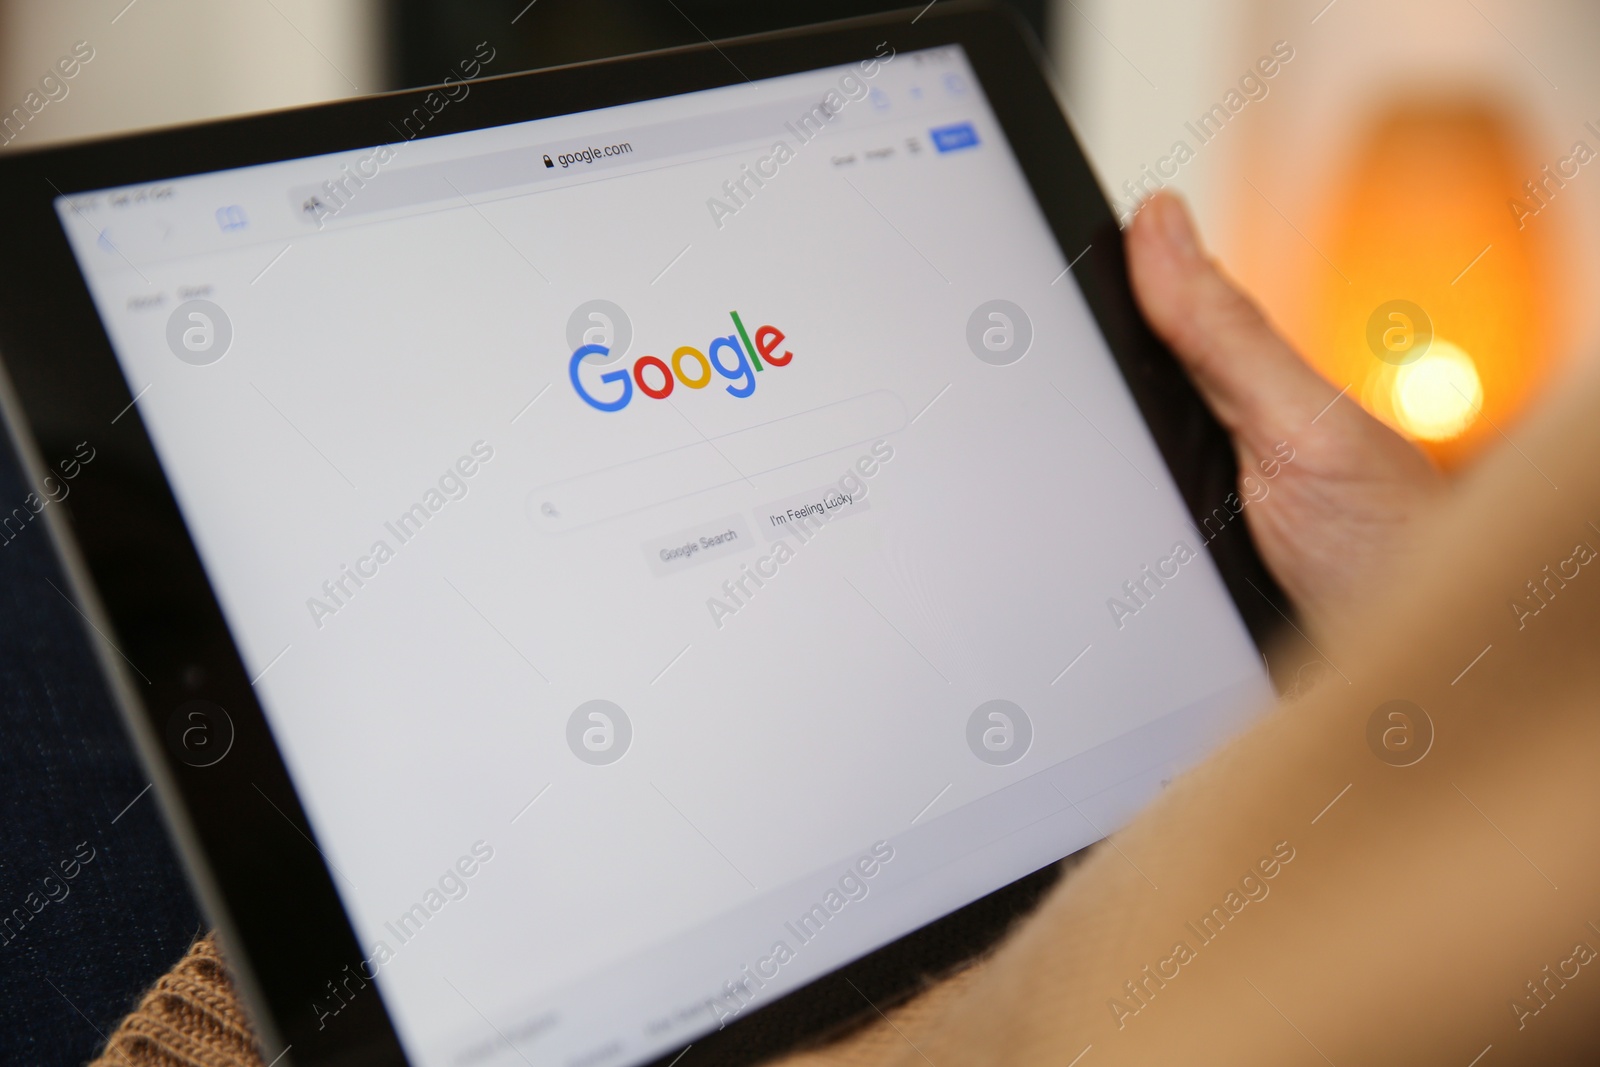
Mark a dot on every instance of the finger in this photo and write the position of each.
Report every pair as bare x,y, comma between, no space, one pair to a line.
1249,376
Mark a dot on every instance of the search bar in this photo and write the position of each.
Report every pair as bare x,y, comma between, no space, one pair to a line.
718,461
387,189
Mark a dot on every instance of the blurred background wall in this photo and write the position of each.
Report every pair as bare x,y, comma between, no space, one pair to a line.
1374,171
159,62
1388,161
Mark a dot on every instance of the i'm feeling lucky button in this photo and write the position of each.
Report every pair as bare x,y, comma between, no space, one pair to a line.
808,510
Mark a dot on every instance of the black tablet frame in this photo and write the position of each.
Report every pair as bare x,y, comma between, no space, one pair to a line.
160,632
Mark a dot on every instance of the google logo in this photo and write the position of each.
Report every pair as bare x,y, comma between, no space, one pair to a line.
733,357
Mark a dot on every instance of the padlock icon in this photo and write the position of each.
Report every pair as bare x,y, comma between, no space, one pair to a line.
548,162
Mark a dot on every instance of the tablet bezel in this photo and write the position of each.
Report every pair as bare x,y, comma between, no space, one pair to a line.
160,632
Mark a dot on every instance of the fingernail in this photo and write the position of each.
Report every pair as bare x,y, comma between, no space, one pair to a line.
1177,229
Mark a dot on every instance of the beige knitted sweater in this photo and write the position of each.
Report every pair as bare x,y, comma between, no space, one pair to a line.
190,1018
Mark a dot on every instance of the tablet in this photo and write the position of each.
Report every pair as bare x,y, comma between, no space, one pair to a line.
651,554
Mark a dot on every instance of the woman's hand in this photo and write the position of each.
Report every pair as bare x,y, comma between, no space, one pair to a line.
1354,486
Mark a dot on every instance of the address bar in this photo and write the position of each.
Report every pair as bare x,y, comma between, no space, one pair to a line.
392,189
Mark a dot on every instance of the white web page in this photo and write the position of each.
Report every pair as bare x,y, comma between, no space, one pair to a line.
807,642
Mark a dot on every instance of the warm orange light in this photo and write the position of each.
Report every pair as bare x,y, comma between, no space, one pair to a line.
1415,241
1422,218
1437,397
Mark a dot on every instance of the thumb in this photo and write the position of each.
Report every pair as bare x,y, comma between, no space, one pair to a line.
1249,376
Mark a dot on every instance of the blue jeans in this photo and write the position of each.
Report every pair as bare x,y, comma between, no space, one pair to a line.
93,905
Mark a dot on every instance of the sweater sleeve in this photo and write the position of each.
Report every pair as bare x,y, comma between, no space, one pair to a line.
191,1017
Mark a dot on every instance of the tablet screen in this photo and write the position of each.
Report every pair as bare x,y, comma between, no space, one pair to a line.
679,547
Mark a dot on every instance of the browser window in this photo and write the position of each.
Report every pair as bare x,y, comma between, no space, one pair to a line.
679,548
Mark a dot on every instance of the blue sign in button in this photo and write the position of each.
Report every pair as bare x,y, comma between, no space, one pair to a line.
951,138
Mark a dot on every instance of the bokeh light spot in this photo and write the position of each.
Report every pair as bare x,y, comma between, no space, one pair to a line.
1439,396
